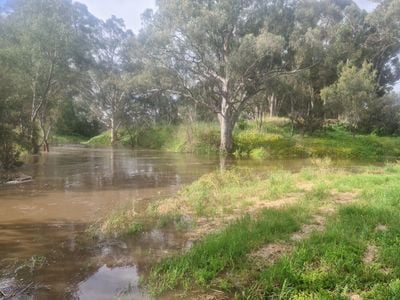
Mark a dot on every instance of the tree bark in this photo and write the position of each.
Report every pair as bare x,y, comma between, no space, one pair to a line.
227,123
226,128
113,132
35,148
272,106
46,147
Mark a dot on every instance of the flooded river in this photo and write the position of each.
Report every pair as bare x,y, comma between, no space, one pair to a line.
43,223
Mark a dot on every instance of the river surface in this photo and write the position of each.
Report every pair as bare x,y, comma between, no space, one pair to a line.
43,223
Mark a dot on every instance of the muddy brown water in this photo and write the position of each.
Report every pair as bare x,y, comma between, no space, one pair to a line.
43,222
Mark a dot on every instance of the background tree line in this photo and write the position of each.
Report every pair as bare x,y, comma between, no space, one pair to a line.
63,71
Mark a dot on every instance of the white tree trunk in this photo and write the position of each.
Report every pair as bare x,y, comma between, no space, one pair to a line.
227,122
113,132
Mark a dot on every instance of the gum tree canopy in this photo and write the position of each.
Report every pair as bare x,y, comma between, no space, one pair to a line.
219,52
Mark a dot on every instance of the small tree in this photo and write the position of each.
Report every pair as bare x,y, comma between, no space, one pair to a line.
353,93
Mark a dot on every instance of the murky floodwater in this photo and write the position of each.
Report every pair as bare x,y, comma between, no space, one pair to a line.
42,223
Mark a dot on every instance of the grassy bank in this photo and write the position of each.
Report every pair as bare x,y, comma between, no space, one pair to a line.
274,140
334,235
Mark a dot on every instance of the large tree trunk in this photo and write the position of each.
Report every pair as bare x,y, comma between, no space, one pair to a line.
227,120
227,123
226,128
45,132
272,105
114,134
46,147
35,147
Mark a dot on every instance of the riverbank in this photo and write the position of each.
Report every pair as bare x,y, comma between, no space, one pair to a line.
274,140
321,233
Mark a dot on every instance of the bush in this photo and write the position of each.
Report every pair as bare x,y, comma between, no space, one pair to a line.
259,153
246,141
104,139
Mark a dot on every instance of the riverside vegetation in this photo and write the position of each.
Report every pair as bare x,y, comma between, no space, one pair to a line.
275,139
321,233
66,72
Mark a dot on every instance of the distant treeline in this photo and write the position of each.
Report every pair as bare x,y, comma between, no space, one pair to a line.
63,71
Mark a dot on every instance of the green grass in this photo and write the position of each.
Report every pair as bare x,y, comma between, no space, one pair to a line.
276,141
103,139
330,265
214,195
224,250
219,193
326,265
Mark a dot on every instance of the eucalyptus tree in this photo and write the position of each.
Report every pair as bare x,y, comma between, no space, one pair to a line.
218,53
382,42
40,47
111,76
354,93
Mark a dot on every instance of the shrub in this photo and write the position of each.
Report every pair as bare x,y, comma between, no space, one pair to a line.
259,153
103,139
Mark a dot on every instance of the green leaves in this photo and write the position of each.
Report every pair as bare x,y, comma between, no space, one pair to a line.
354,92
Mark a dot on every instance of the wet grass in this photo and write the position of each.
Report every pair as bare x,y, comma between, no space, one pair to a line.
223,250
220,193
120,222
213,196
326,265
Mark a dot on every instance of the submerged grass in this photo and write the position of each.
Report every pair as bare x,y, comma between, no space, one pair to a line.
121,221
329,264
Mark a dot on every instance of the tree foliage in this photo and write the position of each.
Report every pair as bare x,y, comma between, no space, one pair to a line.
64,71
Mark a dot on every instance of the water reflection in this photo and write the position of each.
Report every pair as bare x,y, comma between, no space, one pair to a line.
75,186
119,281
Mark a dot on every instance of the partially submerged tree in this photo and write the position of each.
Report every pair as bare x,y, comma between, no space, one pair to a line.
219,52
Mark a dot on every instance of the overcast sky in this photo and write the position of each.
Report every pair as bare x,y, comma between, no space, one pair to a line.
130,10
